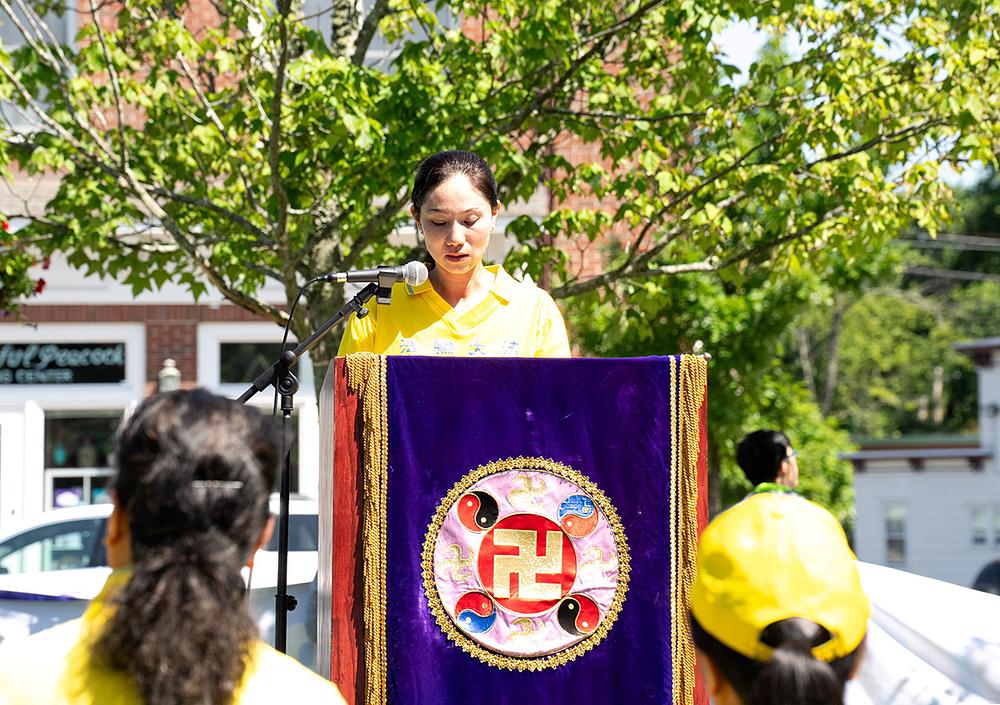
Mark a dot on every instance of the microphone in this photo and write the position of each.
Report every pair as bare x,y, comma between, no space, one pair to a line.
413,273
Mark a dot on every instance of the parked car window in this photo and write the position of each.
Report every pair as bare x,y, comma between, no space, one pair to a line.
303,533
62,546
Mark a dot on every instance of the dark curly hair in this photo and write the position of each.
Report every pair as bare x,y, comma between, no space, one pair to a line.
194,471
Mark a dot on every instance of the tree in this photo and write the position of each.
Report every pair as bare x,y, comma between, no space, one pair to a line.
250,147
880,357
744,327
16,283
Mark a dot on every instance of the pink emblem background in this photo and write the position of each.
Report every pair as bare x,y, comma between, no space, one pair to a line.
532,492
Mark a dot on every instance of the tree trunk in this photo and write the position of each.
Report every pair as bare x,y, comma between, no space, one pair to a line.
345,22
833,358
323,303
805,360
714,478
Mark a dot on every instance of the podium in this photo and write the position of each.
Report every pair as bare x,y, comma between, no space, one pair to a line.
503,531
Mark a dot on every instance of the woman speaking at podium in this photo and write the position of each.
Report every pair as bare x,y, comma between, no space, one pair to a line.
464,308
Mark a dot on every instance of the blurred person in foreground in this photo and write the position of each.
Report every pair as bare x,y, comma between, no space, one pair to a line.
465,308
768,461
171,625
777,611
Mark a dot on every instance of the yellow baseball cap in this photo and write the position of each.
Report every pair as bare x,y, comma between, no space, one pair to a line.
771,557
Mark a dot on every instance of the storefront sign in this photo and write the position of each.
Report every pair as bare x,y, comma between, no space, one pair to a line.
62,363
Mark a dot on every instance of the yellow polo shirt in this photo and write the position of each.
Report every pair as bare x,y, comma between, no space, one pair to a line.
516,319
54,667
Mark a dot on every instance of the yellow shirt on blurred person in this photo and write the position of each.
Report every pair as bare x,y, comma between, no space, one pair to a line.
56,667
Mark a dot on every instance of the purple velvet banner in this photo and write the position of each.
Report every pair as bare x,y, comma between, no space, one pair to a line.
609,420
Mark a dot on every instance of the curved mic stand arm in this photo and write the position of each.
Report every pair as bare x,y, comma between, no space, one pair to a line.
280,375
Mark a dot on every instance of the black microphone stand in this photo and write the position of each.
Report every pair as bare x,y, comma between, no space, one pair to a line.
280,375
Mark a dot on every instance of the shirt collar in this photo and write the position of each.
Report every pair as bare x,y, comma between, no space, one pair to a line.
503,288
773,487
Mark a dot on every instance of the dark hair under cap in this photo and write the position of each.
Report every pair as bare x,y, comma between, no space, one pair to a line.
761,453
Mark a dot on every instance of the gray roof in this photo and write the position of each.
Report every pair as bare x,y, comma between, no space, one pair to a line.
981,344
918,454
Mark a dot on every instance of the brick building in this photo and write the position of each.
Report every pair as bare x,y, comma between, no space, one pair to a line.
90,351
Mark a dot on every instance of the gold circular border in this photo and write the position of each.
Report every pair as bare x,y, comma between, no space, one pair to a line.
474,648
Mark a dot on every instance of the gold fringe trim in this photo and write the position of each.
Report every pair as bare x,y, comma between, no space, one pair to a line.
366,376
689,376
513,663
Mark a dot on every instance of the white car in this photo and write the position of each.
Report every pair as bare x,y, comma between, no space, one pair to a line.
51,567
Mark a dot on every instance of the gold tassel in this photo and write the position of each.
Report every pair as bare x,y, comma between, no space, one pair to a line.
366,376
685,429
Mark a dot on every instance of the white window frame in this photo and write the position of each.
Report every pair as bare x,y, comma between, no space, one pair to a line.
210,338
84,396
990,532
980,532
23,406
904,534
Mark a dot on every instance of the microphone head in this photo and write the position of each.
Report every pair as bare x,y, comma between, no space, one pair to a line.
414,273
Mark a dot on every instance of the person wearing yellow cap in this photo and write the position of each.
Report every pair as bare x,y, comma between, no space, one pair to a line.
777,610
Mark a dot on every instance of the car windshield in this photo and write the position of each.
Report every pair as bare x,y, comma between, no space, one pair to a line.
303,533
61,546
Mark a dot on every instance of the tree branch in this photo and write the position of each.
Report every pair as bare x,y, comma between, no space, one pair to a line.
115,86
896,136
624,117
368,29
40,32
262,236
213,116
375,226
274,151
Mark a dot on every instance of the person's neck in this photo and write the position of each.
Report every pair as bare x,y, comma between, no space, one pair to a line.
462,291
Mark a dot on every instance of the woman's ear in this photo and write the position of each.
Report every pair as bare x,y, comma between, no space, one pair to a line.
416,218
719,690
118,536
862,648
265,536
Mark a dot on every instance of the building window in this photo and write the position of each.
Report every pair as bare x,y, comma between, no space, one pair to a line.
79,453
240,363
895,534
985,527
980,526
232,355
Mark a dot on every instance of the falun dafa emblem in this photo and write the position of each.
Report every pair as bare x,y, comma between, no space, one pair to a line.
525,564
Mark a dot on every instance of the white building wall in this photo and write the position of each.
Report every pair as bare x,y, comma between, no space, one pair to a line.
989,405
939,507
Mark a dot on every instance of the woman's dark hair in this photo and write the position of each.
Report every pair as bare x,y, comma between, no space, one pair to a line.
760,455
793,675
194,472
437,168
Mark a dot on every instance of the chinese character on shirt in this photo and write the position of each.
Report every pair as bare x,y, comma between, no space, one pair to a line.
477,348
511,347
443,347
407,346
